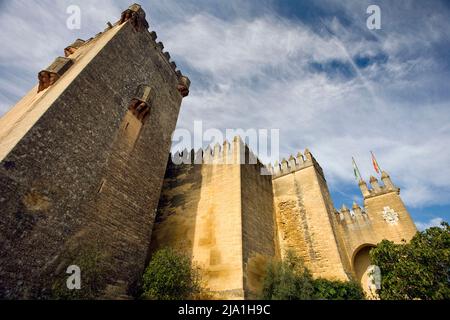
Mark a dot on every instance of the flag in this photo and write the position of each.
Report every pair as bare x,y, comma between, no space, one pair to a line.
375,163
356,171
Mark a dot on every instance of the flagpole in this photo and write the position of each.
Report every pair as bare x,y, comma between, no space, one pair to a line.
357,169
375,164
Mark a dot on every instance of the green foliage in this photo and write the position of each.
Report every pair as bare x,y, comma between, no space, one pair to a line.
288,280
337,290
91,261
417,270
291,280
169,276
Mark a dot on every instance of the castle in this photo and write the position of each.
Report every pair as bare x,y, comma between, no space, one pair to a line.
86,179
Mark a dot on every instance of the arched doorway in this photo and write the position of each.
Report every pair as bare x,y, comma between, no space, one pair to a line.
361,263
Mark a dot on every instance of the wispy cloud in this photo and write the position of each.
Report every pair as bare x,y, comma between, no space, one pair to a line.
256,73
328,84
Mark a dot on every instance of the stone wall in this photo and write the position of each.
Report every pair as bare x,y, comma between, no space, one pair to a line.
221,213
71,180
258,224
200,215
383,216
304,217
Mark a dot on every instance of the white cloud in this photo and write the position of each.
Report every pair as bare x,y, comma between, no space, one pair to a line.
434,222
33,34
335,117
233,50
254,71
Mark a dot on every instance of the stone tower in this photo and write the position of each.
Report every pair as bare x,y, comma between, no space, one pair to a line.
334,244
218,208
383,216
83,156
304,215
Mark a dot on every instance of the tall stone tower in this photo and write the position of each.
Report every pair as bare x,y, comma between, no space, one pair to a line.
218,208
304,213
83,156
359,229
383,216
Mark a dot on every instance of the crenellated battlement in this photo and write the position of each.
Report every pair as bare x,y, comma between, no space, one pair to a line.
377,188
136,16
345,215
236,152
350,216
294,164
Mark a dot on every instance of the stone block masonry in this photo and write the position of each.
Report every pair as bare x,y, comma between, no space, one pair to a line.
383,216
220,212
303,210
218,208
82,165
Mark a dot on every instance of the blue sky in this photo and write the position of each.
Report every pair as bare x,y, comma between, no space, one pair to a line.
311,69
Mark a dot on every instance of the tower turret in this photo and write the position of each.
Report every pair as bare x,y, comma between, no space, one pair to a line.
387,181
303,207
374,183
308,155
363,187
356,209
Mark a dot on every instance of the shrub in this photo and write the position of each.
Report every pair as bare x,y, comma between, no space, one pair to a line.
337,290
291,280
170,276
288,280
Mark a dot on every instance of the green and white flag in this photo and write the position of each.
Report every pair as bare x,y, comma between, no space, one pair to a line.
356,171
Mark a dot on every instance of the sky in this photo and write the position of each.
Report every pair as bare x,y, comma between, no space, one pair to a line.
311,69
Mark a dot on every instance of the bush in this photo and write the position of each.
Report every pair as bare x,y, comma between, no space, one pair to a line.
337,290
170,276
416,270
288,280
291,280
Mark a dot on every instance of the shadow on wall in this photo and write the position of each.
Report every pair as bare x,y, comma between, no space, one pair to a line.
176,216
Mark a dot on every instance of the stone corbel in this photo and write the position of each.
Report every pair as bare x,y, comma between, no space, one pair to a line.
73,47
141,103
137,17
49,76
183,85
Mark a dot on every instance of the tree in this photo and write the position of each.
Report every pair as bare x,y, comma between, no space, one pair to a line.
419,269
291,280
170,276
325,289
288,280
